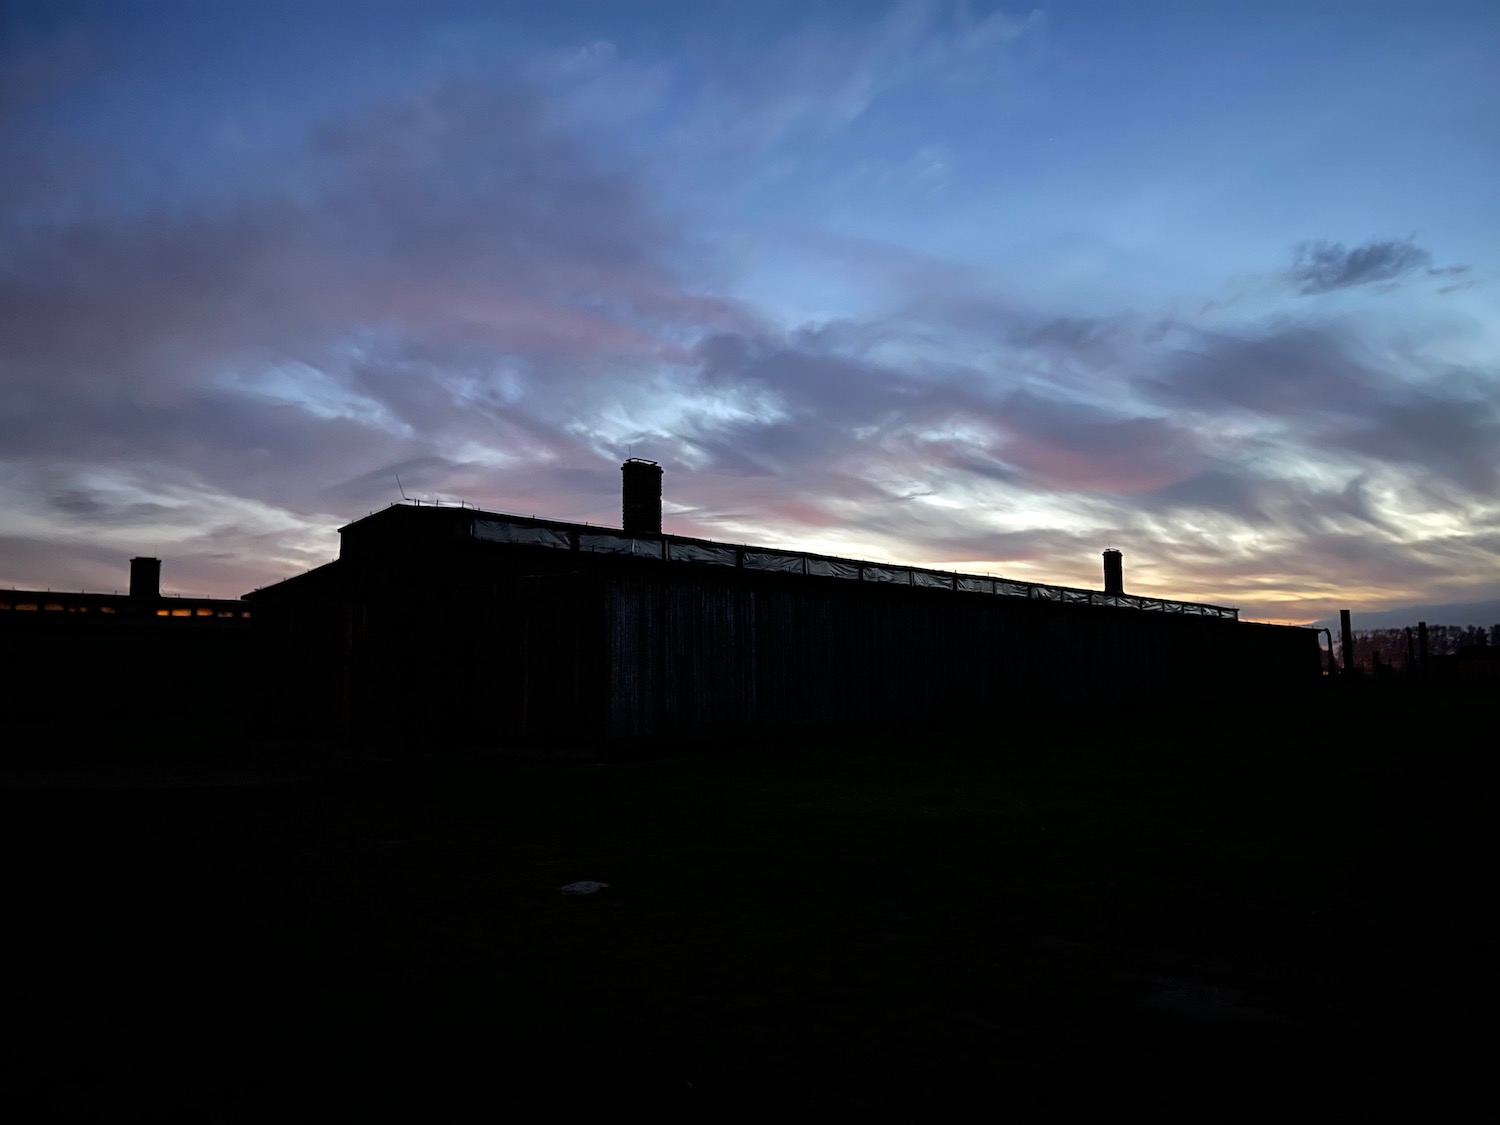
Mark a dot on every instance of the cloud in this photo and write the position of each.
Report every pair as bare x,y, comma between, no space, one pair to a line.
1318,400
1218,490
1450,429
442,254
1284,369
1066,445
826,76
1322,267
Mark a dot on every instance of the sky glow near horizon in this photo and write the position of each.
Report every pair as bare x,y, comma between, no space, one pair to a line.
974,286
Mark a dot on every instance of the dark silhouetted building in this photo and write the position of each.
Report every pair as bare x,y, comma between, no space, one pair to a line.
439,624
97,660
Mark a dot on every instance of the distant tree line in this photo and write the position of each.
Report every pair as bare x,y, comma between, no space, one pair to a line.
1388,648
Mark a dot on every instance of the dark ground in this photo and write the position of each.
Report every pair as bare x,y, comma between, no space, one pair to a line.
1127,909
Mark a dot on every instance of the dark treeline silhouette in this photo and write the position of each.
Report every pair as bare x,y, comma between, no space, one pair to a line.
1397,648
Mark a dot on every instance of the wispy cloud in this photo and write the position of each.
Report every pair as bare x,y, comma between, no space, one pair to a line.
1321,267
827,74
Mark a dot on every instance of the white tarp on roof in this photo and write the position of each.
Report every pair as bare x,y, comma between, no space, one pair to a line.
531,535
613,543
702,553
932,579
773,560
832,568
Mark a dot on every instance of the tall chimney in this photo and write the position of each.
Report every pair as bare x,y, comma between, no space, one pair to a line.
1114,572
641,497
145,578
1346,634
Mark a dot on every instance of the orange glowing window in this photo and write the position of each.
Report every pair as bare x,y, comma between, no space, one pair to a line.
204,611
106,609
182,613
163,613
244,613
54,607
29,606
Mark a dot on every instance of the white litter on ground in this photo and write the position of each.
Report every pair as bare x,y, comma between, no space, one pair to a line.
586,887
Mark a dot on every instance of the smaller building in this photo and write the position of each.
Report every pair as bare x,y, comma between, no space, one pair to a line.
101,659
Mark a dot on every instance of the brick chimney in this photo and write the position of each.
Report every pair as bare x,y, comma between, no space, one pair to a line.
1114,572
145,578
641,497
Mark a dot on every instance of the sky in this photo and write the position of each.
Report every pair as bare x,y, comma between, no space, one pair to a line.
979,286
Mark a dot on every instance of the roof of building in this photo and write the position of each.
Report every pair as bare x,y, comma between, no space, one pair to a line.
501,528
81,604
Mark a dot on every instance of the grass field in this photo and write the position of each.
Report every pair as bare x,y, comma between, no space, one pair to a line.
1079,907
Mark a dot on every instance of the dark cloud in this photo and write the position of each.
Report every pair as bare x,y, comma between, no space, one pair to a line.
1068,445
1091,340
1356,500
1259,499
977,464
1314,382
1220,490
86,506
1321,267
1093,336
1286,371
1451,430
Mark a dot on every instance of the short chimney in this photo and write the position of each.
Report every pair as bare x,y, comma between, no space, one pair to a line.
641,506
1114,572
145,578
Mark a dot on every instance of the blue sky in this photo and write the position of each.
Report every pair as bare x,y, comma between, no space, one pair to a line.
971,285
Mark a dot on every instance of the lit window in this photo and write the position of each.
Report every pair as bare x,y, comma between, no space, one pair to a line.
226,613
54,607
27,605
244,613
163,613
205,611
182,613
106,609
